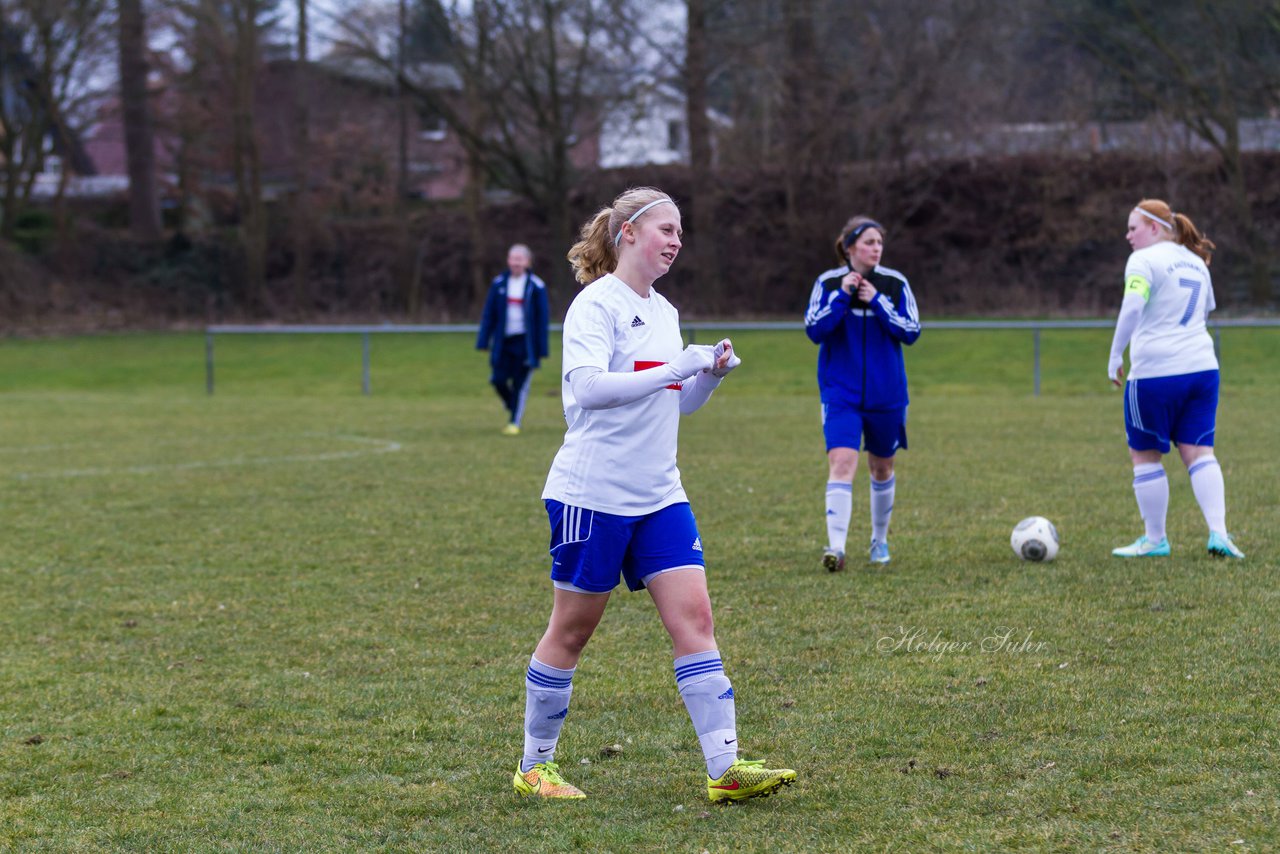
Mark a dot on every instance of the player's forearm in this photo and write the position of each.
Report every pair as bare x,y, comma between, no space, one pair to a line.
596,389
1126,324
697,391
896,321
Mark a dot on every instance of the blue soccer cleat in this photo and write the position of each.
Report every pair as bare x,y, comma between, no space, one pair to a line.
1220,545
1142,547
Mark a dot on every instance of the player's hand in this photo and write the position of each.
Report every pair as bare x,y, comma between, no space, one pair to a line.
696,357
726,359
1115,371
850,282
866,291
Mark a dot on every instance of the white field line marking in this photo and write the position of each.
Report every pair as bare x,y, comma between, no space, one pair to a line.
373,446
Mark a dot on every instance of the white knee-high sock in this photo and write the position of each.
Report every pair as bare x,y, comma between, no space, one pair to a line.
1151,488
708,695
881,508
839,509
546,704
1210,491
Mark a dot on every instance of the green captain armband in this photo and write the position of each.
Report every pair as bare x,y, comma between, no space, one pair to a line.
1139,285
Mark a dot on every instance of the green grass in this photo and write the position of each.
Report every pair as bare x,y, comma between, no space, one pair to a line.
292,618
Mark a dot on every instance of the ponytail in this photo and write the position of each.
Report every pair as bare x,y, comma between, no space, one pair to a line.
596,251
593,255
1184,231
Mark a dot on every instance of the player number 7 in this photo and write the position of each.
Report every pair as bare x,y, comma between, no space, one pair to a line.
1192,285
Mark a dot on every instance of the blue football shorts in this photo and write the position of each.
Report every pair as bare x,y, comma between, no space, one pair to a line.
590,550
884,430
1181,408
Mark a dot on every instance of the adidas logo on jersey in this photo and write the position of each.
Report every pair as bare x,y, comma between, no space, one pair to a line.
697,544
637,322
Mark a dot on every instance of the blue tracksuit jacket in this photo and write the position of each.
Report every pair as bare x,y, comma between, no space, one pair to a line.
493,325
860,345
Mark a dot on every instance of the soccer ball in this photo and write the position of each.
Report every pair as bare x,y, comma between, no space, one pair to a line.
1035,538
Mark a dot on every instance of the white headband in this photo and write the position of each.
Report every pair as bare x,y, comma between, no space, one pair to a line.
617,238
1154,218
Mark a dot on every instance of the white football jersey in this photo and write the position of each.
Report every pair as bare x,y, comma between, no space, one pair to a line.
515,304
1171,337
620,460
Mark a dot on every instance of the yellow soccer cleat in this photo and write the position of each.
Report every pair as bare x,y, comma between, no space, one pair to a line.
511,430
748,779
544,781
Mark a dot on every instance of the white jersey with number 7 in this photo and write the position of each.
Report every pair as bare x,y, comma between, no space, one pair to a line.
1171,337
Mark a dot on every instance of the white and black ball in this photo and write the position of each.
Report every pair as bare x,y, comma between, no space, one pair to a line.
1035,539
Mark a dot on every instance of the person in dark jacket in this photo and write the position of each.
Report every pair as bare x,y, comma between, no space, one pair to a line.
514,331
860,314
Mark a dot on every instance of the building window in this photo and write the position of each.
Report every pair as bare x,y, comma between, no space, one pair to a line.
675,136
431,125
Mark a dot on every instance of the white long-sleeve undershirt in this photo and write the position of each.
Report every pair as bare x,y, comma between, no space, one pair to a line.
596,389
1126,324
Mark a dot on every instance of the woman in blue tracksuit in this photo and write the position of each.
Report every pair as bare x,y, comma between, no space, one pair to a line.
860,314
514,331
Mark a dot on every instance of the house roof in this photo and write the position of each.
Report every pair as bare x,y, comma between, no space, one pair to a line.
426,75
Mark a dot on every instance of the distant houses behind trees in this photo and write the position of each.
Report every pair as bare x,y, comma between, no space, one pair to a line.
433,128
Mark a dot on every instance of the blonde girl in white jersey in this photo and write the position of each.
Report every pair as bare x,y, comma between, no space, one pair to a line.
614,499
1171,396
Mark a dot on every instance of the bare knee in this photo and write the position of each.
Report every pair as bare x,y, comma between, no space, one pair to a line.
694,630
1144,457
570,640
566,637
842,464
700,620
1191,453
881,468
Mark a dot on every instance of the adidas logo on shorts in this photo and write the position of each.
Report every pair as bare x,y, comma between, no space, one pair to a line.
697,544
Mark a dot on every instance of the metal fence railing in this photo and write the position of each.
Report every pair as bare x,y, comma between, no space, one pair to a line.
691,331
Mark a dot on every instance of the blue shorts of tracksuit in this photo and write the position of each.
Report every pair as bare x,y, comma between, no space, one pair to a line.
881,431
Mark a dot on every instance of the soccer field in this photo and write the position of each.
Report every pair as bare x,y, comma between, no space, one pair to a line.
289,617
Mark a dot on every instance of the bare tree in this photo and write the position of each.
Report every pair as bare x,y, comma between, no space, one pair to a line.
405,267
535,74
245,153
1208,65
697,78
222,44
302,217
144,201
52,53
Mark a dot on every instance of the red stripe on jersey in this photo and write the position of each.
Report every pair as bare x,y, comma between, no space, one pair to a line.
644,365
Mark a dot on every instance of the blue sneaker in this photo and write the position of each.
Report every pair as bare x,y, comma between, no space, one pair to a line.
1220,545
1142,547
879,552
